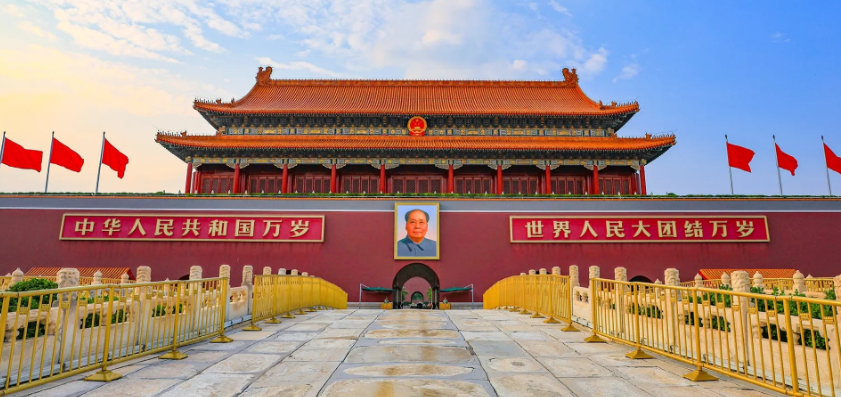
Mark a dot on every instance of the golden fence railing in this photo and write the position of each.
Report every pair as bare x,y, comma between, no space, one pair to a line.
281,295
540,295
814,284
52,334
782,342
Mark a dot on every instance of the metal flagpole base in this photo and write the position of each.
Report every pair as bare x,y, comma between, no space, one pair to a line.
638,355
222,339
699,375
272,321
536,315
252,327
105,375
594,339
551,320
287,315
569,328
173,355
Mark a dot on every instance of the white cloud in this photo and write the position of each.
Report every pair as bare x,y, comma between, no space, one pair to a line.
595,64
94,39
628,72
27,26
12,10
519,64
306,66
779,38
559,8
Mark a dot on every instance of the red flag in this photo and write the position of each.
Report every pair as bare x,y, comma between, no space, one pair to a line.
114,159
15,155
785,161
833,162
66,157
739,157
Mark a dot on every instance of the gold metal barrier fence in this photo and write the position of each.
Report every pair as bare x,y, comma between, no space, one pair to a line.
785,343
53,334
286,296
815,284
540,295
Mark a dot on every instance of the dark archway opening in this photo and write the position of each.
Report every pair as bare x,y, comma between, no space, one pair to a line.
640,279
411,271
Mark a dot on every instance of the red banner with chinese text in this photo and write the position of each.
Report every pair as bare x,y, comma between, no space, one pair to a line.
639,229
181,227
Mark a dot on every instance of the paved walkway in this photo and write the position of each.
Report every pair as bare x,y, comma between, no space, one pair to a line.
406,353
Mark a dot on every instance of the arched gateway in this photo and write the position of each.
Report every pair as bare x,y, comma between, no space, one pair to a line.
410,271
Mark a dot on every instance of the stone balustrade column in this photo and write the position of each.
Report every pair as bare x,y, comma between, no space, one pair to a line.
725,279
17,276
305,274
225,272
68,277
620,274
574,279
799,282
144,274
699,281
672,276
247,276
758,281
837,282
522,274
267,270
556,270
542,271
741,283
97,278
281,272
294,272
532,272
195,272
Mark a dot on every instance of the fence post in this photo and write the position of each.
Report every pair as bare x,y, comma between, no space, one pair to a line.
799,282
699,281
741,283
174,354
698,375
795,387
224,302
637,354
17,276
104,374
536,295
573,282
594,301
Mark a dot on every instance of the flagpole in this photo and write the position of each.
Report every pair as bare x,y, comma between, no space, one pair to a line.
825,161
729,168
2,147
779,179
99,170
49,161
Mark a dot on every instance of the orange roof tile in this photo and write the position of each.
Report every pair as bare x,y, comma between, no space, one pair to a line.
715,274
411,97
416,143
107,272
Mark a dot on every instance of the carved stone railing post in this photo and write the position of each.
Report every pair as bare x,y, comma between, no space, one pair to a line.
725,279
699,281
532,272
124,279
281,272
542,271
225,271
17,276
741,283
757,281
97,278
267,270
294,272
66,278
837,282
672,276
556,270
574,278
799,282
620,274
248,282
304,274
144,274
195,272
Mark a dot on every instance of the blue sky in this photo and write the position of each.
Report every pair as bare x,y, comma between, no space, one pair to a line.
748,69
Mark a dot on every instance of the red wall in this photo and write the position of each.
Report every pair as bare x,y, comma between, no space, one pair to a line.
475,248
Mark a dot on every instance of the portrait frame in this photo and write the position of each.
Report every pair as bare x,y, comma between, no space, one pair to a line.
434,234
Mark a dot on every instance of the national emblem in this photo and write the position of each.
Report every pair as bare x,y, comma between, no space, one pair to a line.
417,126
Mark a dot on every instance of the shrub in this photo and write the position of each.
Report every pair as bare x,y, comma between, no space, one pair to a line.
92,320
35,284
160,311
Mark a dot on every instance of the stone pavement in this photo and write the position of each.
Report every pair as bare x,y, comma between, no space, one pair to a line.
359,353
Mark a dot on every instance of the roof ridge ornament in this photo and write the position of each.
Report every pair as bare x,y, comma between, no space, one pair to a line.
264,76
570,76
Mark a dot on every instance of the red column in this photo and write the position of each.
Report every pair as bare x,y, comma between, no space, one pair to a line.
498,179
189,183
235,188
450,179
548,179
634,187
284,180
382,178
595,179
642,179
197,181
333,178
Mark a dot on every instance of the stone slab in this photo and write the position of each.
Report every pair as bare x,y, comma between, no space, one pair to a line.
573,367
602,387
410,333
290,372
409,353
332,355
408,370
244,363
529,386
211,385
275,347
132,388
403,388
